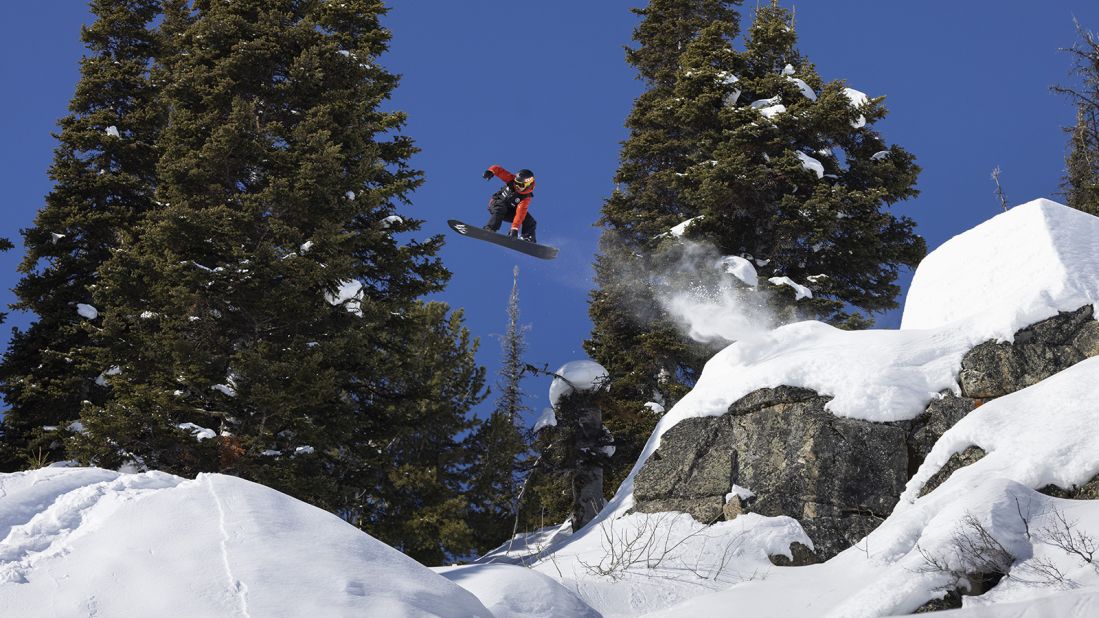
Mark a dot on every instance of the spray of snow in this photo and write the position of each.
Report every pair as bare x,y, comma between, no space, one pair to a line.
713,297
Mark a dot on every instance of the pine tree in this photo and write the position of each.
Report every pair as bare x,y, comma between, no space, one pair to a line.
103,170
772,165
802,191
410,493
499,445
567,476
1082,165
631,336
1081,182
269,301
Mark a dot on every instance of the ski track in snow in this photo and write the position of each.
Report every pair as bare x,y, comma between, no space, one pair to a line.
234,584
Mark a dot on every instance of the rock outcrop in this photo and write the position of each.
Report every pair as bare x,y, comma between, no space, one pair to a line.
1087,491
955,463
839,477
995,369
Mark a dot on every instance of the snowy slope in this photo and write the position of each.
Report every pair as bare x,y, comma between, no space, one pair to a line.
85,541
965,293
1063,604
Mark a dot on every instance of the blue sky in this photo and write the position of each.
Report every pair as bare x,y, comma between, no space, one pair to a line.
544,85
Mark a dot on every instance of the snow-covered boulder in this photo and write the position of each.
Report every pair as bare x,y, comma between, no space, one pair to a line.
90,542
1013,270
1019,330
996,368
792,457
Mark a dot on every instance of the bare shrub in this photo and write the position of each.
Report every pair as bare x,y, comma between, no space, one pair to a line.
983,560
652,549
980,559
1064,535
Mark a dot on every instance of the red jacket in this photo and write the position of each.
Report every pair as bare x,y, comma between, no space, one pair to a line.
521,209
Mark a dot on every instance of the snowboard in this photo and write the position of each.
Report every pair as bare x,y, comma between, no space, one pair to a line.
545,252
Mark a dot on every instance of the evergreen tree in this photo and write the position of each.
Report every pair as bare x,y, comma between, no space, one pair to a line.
802,191
772,165
268,302
103,172
647,357
1082,165
1081,182
499,444
411,493
567,477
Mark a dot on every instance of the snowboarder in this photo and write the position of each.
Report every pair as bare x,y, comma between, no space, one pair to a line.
512,202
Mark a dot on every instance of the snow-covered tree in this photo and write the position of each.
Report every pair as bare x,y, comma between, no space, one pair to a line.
768,163
407,461
103,172
631,335
265,319
572,450
792,175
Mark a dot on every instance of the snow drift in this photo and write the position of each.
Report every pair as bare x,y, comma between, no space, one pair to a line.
1015,269
85,542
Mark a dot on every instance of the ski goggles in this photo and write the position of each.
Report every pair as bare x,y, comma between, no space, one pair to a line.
523,184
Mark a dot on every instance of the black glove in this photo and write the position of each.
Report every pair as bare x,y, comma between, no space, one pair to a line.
513,233
488,174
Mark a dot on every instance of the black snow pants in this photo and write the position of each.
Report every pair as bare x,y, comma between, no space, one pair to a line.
499,214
